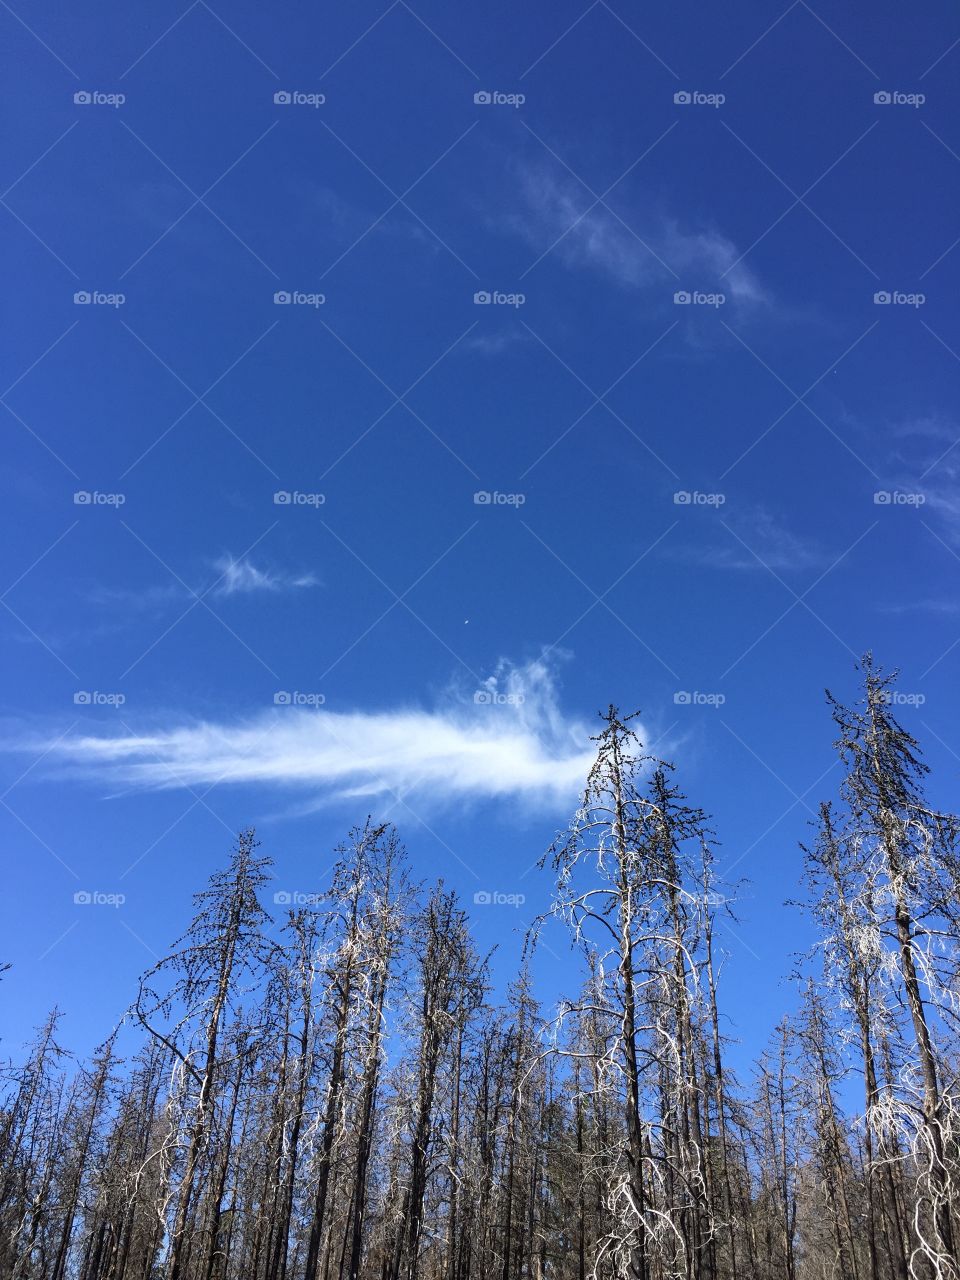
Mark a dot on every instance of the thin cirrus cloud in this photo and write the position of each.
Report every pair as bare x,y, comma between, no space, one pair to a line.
508,740
929,604
750,541
928,469
243,577
235,576
559,214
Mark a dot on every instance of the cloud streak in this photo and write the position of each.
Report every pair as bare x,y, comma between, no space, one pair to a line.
559,214
236,576
243,577
507,740
751,541
930,466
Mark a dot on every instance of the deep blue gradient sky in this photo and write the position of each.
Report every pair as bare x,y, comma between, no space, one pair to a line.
598,198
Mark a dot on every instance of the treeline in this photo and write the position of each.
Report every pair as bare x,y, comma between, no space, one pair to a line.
341,1099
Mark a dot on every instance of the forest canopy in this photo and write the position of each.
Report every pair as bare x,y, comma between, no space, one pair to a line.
345,1098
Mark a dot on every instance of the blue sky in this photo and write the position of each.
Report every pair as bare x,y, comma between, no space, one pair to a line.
682,510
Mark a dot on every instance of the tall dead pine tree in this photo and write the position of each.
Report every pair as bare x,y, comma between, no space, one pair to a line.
893,860
629,892
223,949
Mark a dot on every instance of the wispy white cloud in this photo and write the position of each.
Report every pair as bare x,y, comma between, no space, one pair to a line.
507,739
632,252
931,426
929,605
926,462
243,577
234,575
753,540
494,343
139,599
941,491
708,251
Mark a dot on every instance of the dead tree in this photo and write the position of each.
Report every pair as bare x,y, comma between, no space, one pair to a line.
913,850
223,949
626,889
